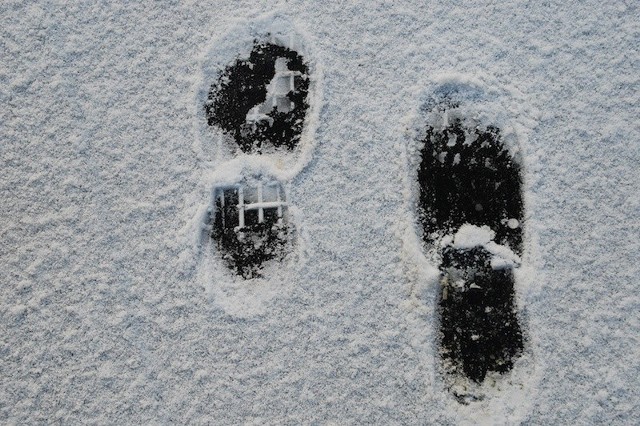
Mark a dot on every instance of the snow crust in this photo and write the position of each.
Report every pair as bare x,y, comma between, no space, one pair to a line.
111,313
471,236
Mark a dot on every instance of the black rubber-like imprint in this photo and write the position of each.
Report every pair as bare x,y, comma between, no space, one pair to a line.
243,86
467,176
260,235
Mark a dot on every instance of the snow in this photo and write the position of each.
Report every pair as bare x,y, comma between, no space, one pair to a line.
111,313
470,236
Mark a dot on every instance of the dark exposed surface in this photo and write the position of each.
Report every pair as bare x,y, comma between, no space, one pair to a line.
243,85
467,176
469,181
246,248
480,331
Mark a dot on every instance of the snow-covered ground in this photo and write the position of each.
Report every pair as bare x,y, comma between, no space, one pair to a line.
106,312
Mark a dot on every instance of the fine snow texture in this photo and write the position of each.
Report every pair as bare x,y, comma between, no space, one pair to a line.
107,174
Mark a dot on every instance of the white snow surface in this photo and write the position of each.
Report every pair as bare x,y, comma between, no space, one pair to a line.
470,236
111,312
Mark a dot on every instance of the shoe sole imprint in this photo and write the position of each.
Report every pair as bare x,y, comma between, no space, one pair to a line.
261,100
468,177
249,225
471,214
259,106
262,97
